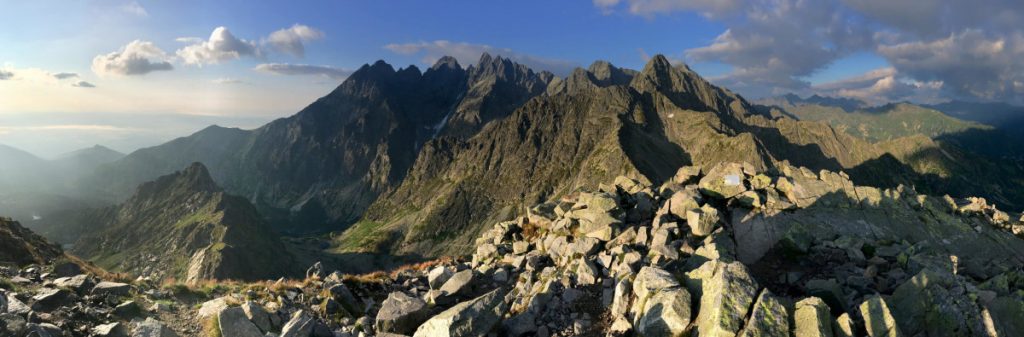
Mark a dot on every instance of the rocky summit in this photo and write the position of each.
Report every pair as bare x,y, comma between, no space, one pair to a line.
728,250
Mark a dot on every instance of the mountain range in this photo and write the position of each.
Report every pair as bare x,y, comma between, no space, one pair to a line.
395,161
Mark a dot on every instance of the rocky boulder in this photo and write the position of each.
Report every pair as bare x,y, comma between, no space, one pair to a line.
233,322
878,320
727,292
401,314
768,318
476,317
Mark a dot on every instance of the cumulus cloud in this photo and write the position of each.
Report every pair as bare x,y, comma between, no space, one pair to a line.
965,49
774,48
881,86
291,40
136,58
469,53
61,76
303,69
6,75
83,84
971,63
221,46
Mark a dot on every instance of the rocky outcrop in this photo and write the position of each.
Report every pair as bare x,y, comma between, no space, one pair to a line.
19,246
185,226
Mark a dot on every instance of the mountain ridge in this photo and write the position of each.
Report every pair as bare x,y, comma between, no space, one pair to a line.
187,226
393,148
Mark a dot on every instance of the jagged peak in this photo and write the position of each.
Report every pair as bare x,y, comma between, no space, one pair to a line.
411,71
379,67
197,175
446,62
485,58
658,62
192,179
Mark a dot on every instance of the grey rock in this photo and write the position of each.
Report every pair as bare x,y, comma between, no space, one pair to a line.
476,317
81,284
586,273
665,313
702,220
768,318
257,315
345,298
16,306
151,328
927,303
812,318
13,324
520,325
726,295
401,313
115,329
127,310
621,299
43,330
111,288
300,325
829,291
233,322
723,181
212,307
844,326
878,320
51,299
459,284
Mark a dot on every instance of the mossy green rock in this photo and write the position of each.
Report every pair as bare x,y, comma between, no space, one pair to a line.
878,320
725,300
768,318
812,318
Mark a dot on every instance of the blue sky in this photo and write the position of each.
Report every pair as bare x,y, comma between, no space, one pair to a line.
242,63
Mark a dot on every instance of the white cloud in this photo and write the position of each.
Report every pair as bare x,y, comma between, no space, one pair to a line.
881,86
303,69
221,46
290,40
83,84
970,63
61,76
36,76
709,8
136,58
963,49
227,80
469,53
135,8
